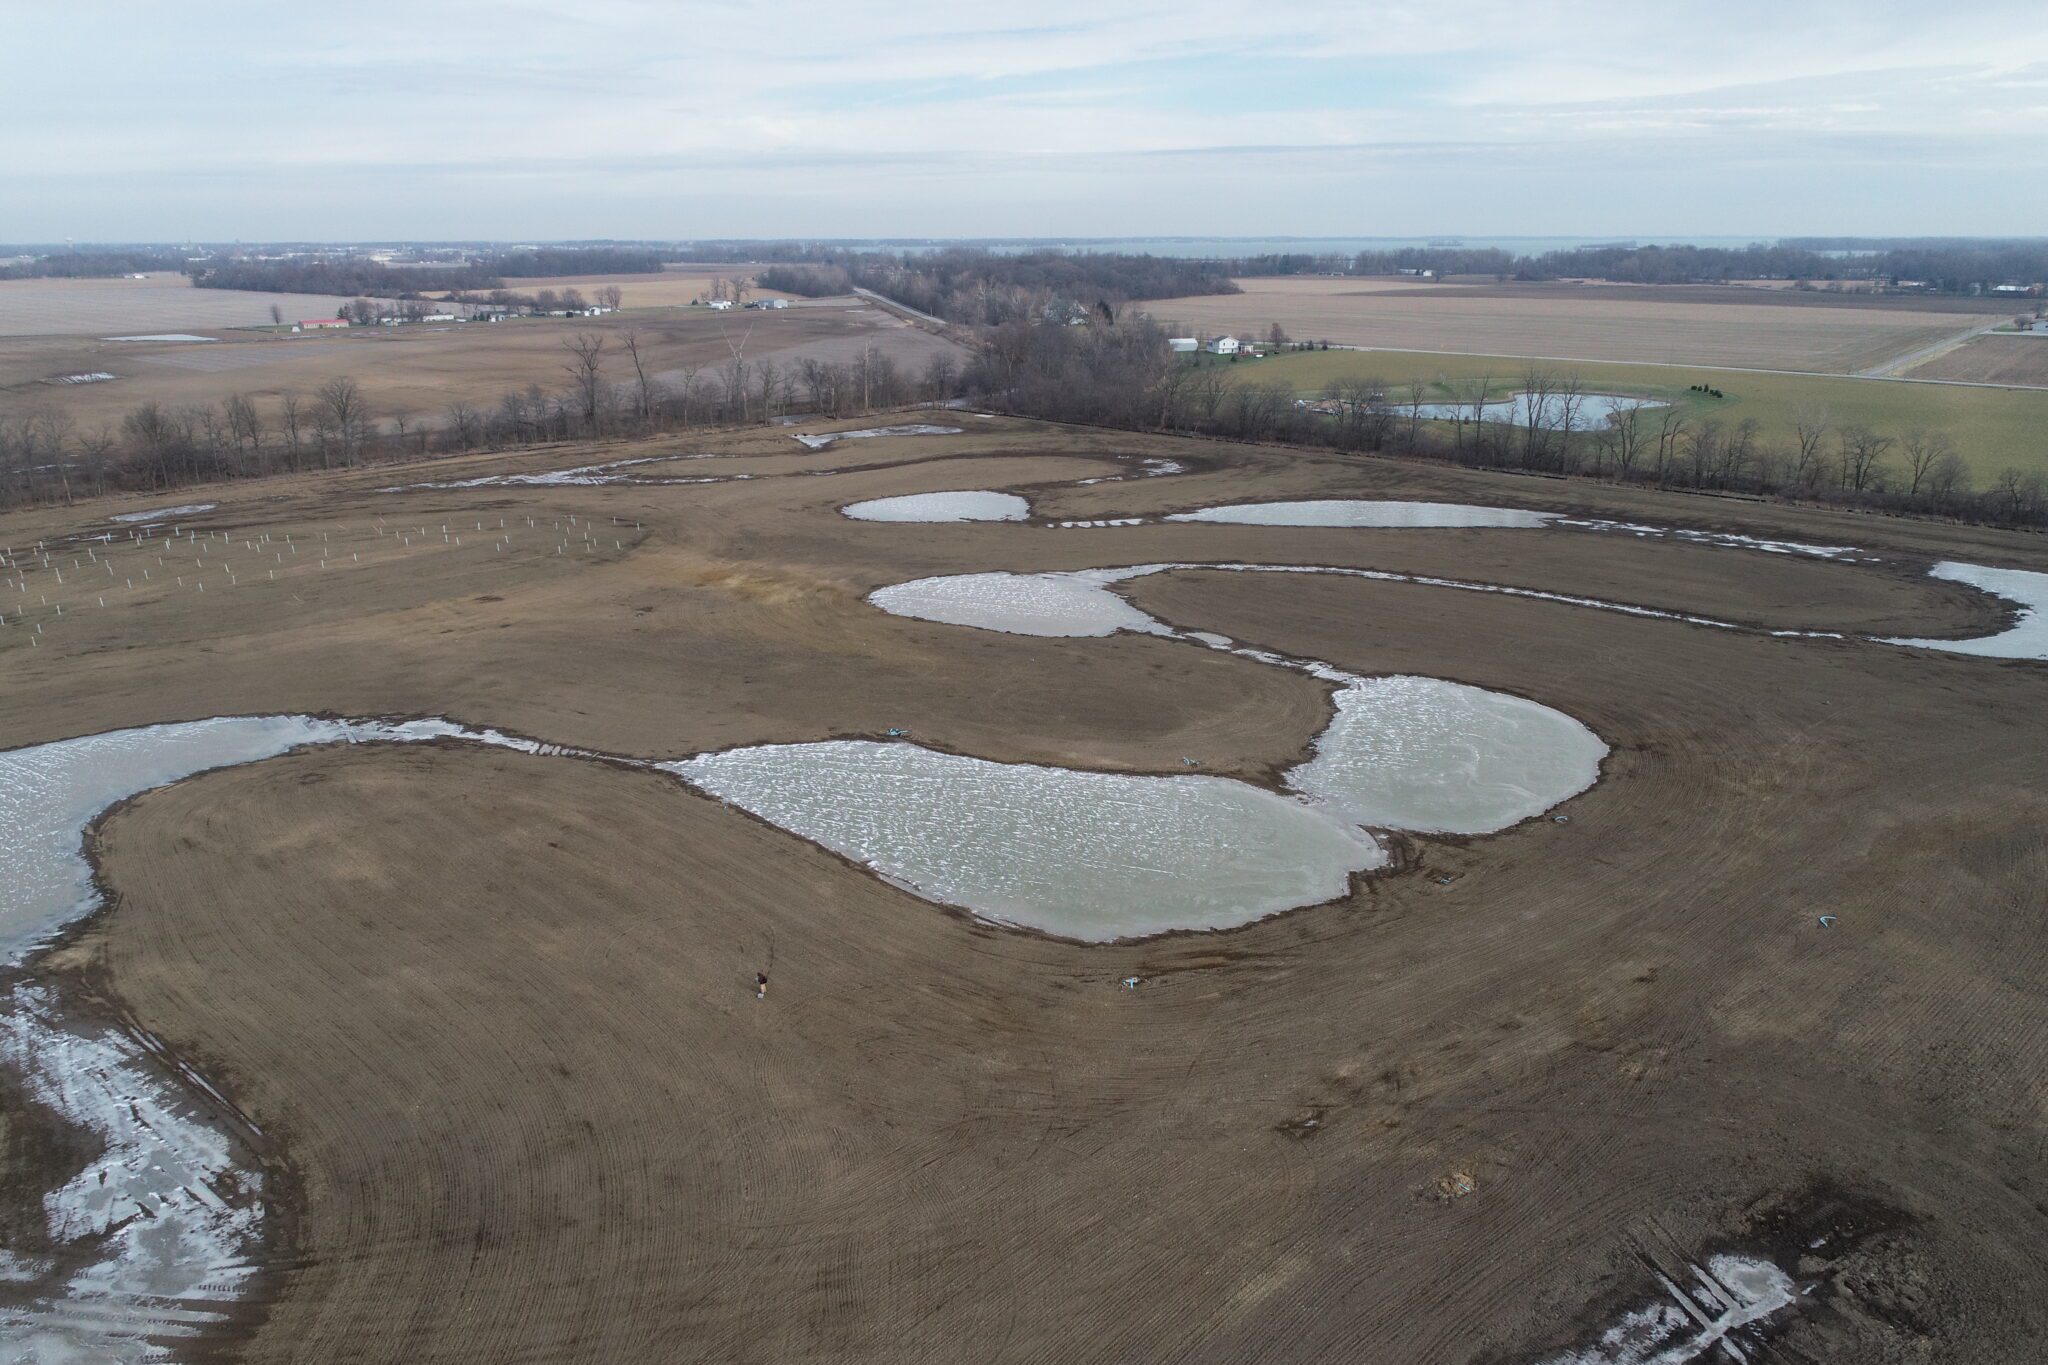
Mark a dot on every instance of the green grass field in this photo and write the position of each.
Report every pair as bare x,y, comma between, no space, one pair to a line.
1993,429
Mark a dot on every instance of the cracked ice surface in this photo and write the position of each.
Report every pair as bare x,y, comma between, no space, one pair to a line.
971,504
174,1221
1440,757
49,793
1084,855
1071,604
177,1219
1365,512
2027,638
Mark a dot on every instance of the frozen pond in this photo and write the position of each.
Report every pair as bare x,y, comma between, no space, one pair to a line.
1365,512
2027,638
1092,856
1021,604
190,509
1407,753
823,439
1440,757
972,504
172,1269
1589,412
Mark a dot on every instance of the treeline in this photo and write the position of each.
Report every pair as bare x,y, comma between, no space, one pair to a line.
343,277
94,265
1954,266
542,262
349,275
46,457
1125,375
991,289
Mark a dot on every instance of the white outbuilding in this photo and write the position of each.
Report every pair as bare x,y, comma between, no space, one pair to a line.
1184,345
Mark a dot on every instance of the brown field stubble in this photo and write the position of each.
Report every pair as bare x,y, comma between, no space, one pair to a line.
495,1012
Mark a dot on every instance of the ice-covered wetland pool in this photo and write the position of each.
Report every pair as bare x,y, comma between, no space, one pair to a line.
967,504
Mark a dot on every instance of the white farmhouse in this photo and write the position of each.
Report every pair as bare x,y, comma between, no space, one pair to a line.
1224,346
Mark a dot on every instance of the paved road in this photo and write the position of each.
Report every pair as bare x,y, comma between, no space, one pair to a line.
1890,369
896,307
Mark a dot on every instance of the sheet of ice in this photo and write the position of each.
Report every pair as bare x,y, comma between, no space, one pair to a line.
1591,412
2026,638
1019,603
1083,855
823,439
168,1217
972,504
160,336
49,793
579,476
189,509
1804,549
1441,757
1365,512
1708,1318
173,1220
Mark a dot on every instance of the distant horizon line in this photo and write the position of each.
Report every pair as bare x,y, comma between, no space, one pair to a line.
1447,239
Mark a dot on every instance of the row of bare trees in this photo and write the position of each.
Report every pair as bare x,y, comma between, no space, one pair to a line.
1123,374
609,389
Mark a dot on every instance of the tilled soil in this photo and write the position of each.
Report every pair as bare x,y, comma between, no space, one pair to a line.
494,1014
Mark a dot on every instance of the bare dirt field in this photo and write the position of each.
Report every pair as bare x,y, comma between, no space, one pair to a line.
1994,358
417,371
1830,334
164,302
492,1014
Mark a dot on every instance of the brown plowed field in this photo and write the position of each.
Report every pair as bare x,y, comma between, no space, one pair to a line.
415,372
1750,329
1991,359
494,1013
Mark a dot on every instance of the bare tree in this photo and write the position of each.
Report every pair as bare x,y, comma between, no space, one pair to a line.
586,368
1810,425
942,376
288,413
643,394
466,423
343,415
1924,450
611,297
1624,436
1861,452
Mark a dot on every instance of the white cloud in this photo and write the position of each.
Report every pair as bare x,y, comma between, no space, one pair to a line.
521,104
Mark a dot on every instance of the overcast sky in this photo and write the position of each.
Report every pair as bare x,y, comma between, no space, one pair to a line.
636,118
